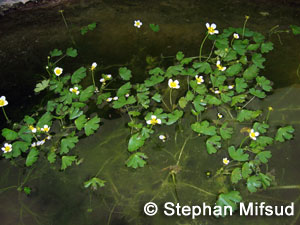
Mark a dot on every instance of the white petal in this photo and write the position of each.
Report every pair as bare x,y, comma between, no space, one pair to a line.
177,87
158,121
207,25
170,81
214,26
216,32
176,81
71,89
224,68
256,133
148,121
153,117
252,131
2,98
218,62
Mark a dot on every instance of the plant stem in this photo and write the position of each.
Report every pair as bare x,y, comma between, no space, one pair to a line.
243,141
8,121
93,80
244,26
171,103
66,24
181,151
298,69
200,51
248,102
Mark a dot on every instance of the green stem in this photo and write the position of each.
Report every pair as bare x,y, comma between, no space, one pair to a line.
8,121
93,79
232,41
243,141
66,24
171,102
181,151
244,26
298,69
200,51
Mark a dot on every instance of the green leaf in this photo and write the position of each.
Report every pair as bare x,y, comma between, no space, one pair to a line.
67,144
156,97
263,141
234,69
80,122
94,183
238,154
135,142
213,143
71,52
200,89
74,113
260,127
182,102
153,80
253,183
92,26
86,93
45,119
264,156
204,128
51,105
9,135
179,56
18,147
212,100
284,133
258,37
51,157
55,52
156,71
253,47
251,72
258,60
265,180
266,47
246,170
174,116
174,70
199,103
231,55
134,113
32,157
29,120
122,101
243,60
154,27
295,29
225,131
264,83
124,89
238,99
84,30
103,97
229,199
27,190
257,93
240,85
41,86
67,161
236,175
125,73
245,115
92,125
78,75
217,81
136,160
240,47
203,67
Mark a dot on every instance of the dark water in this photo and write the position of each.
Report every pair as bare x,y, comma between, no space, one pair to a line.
58,198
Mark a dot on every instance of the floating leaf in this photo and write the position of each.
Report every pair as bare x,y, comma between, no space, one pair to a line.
174,116
213,143
153,80
238,154
41,86
125,73
212,100
266,47
257,93
78,75
251,72
92,26
295,29
92,125
156,97
94,183
236,175
225,131
154,27
9,134
284,133
86,93
18,147
124,89
71,52
240,85
203,67
253,183
264,83
51,157
135,142
246,170
238,99
67,144
55,52
245,115
156,71
136,160
204,128
234,69
261,127
231,199
258,60
179,56
67,161
32,157
264,156
265,180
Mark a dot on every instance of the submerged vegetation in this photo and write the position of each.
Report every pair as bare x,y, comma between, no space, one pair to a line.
215,88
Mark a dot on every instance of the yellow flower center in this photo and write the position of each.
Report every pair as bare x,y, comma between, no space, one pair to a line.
252,134
173,84
31,127
46,129
2,102
138,23
93,67
220,67
58,71
199,79
7,148
211,30
153,121
74,90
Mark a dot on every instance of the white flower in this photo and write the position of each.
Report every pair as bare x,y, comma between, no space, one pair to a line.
3,101
230,87
49,137
94,65
109,99
39,143
58,71
33,144
102,80
212,28
220,67
236,36
115,98
46,128
162,137
226,161
154,120
173,84
217,92
75,90
108,76
220,116
7,148
253,134
33,129
138,23
199,79
127,95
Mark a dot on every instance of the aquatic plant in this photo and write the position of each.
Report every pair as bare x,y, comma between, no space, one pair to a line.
225,82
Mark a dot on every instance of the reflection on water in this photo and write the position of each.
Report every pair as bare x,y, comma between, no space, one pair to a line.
59,197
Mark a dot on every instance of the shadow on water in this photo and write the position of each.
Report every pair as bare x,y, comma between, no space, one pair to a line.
59,197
